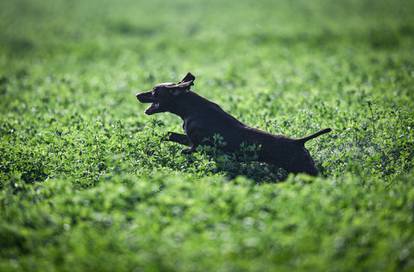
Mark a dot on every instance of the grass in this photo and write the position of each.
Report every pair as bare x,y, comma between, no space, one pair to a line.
87,184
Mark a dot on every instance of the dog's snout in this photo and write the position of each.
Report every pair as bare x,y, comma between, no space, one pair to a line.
139,96
145,97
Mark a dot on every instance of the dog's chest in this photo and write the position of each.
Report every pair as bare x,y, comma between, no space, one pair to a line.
189,124
200,127
195,124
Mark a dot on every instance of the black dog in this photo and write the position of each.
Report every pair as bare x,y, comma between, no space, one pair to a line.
203,119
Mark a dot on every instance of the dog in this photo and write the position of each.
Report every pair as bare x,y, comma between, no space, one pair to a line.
204,119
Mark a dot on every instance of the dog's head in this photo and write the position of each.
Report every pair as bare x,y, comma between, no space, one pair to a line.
163,96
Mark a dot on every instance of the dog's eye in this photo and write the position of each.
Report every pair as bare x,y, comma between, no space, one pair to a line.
154,93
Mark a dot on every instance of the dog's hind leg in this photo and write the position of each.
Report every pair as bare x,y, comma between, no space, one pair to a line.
178,138
303,164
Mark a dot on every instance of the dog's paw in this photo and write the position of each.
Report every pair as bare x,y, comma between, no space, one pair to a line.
188,151
168,136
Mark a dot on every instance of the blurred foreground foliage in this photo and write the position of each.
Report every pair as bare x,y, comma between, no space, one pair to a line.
86,182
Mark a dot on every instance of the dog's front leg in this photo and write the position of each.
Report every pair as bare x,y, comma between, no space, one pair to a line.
181,139
178,138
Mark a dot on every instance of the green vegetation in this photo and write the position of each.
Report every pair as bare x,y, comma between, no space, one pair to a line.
87,184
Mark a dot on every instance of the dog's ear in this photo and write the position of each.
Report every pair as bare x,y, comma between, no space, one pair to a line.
182,87
188,78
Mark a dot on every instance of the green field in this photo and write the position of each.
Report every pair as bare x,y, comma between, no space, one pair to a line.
88,184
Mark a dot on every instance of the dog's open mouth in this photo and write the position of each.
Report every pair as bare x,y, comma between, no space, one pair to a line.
148,98
153,108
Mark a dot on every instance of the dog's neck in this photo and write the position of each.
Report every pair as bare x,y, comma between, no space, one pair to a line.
188,104
191,104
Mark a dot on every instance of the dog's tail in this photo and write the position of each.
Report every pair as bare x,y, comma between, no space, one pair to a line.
310,137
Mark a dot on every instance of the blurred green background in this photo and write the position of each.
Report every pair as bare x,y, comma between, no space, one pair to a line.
87,184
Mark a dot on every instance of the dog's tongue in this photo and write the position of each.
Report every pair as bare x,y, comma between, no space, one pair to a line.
152,108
